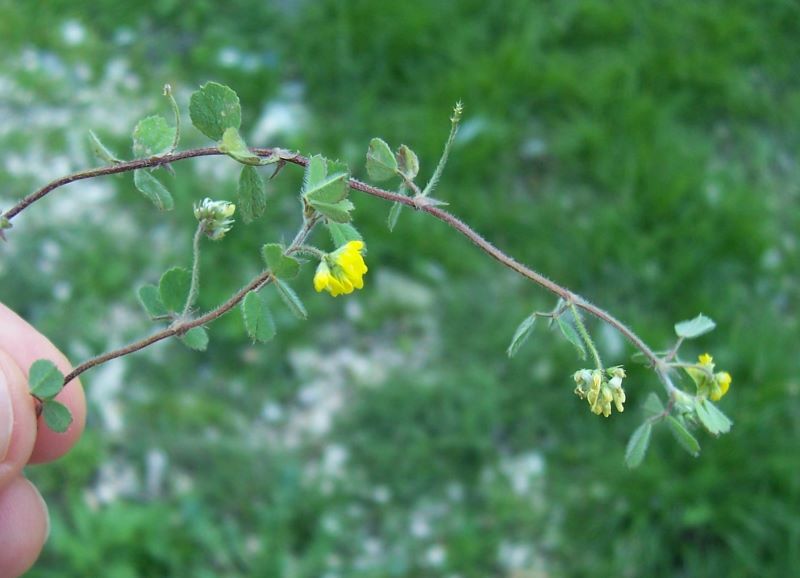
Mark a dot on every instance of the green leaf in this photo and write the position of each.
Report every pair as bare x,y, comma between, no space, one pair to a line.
150,298
685,439
394,214
407,162
257,318
325,188
343,233
233,145
214,109
252,201
196,338
338,212
330,189
152,137
316,171
291,299
56,415
174,288
696,327
152,188
653,406
521,335
281,265
637,445
5,224
712,418
101,151
44,379
569,332
381,163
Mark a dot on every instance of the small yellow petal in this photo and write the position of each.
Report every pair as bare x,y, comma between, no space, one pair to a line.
705,359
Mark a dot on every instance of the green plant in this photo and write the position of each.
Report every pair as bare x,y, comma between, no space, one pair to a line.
215,111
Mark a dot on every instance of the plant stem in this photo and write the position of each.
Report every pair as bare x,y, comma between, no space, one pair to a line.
194,287
586,337
263,278
447,218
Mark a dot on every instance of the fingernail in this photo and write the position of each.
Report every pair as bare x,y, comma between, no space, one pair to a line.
6,416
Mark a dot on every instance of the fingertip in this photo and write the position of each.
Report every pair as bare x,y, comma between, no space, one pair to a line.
19,446
25,345
24,526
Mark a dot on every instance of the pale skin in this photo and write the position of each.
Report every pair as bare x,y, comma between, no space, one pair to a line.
24,440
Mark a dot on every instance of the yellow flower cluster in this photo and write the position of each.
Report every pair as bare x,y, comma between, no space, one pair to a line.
715,385
600,388
342,271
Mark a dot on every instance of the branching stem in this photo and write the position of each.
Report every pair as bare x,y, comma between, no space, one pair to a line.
297,159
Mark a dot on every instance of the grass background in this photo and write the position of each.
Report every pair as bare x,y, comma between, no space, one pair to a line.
643,154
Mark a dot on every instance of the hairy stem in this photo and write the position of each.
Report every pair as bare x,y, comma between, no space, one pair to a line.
194,287
585,336
262,279
436,212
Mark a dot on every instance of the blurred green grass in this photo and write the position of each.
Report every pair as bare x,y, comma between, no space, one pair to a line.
644,155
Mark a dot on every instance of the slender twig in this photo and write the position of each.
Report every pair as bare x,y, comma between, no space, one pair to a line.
440,214
263,278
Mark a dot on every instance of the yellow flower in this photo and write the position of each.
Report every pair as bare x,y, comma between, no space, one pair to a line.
723,380
713,385
342,271
599,391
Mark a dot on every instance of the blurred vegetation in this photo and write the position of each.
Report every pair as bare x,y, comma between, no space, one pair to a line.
644,155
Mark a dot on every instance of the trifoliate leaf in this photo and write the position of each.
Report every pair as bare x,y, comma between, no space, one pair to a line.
152,188
685,439
569,332
407,162
214,109
637,445
152,137
653,406
101,151
196,338
173,288
56,415
252,201
281,265
712,418
521,335
325,188
44,379
150,298
342,233
233,145
257,318
696,327
381,163
291,299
